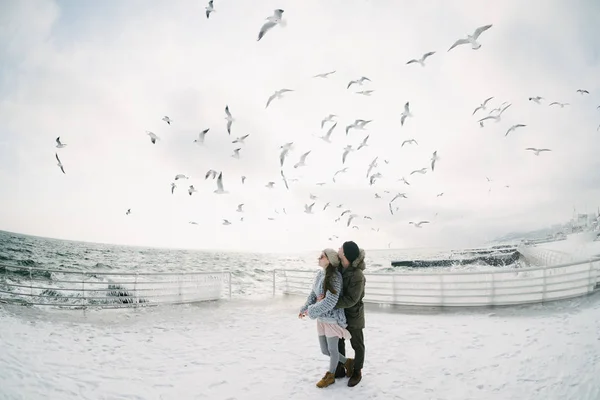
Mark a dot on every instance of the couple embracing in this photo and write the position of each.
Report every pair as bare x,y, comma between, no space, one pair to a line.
336,302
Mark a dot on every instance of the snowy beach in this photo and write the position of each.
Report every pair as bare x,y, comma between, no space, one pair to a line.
259,349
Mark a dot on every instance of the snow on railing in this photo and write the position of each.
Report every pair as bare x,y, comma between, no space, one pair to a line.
104,289
460,289
539,256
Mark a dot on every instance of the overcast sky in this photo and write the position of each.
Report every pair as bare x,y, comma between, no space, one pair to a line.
101,74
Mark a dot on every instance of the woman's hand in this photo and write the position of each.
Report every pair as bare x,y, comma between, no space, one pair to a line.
302,314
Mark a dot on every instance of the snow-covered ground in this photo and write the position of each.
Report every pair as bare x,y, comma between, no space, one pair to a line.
255,349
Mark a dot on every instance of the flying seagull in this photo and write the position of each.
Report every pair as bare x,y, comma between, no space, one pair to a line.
341,171
582,91
374,177
419,171
537,151
128,211
284,152
359,81
285,182
302,162
327,137
153,137
363,143
482,106
328,118
236,153
422,59
239,207
229,119
241,139
173,186
406,113
191,189
512,128
372,165
60,164
472,38
350,218
167,119
561,105
201,136
226,222
357,124
210,173
277,95
243,179
275,19
495,117
418,224
209,9
365,92
347,150
59,144
434,158
220,189
181,176
324,75
409,141
308,209
536,99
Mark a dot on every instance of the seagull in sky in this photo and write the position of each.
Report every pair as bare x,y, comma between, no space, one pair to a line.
495,117
209,9
277,95
329,118
220,189
483,105
275,19
241,139
472,38
418,224
422,59
537,151
153,137
59,144
513,128
405,114
324,75
229,119
60,164
201,136
358,81
302,162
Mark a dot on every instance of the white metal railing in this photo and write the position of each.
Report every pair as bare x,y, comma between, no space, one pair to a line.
105,289
460,289
539,256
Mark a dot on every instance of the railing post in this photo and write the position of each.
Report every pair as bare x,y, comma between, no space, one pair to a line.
544,283
493,291
591,283
31,283
442,295
229,279
83,291
136,298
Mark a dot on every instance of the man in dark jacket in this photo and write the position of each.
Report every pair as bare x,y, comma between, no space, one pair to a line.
351,300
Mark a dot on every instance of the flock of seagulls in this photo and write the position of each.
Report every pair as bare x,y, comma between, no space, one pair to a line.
330,123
